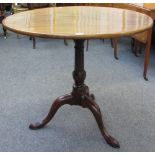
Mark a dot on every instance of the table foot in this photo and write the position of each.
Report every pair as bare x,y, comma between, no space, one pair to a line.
145,78
65,42
94,108
66,99
116,57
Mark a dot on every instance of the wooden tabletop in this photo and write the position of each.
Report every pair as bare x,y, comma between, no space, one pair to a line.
78,22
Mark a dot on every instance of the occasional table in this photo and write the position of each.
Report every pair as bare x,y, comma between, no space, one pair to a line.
80,23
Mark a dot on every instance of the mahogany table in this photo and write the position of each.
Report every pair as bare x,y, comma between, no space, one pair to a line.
80,23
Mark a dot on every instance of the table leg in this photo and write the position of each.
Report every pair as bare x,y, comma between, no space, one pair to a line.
147,53
79,96
34,42
115,44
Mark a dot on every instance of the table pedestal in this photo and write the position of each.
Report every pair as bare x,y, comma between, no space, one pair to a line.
79,96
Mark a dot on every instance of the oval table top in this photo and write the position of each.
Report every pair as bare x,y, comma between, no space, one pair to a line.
78,22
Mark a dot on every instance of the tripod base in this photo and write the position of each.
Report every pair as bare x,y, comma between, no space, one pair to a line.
81,97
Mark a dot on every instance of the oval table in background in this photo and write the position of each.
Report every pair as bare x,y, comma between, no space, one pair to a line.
80,23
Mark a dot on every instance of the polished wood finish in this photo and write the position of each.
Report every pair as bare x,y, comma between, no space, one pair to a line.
78,22
79,96
151,8
145,37
147,53
147,8
141,38
32,6
114,43
131,6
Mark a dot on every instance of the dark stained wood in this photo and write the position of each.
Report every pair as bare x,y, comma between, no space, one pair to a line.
34,42
147,54
79,96
114,44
